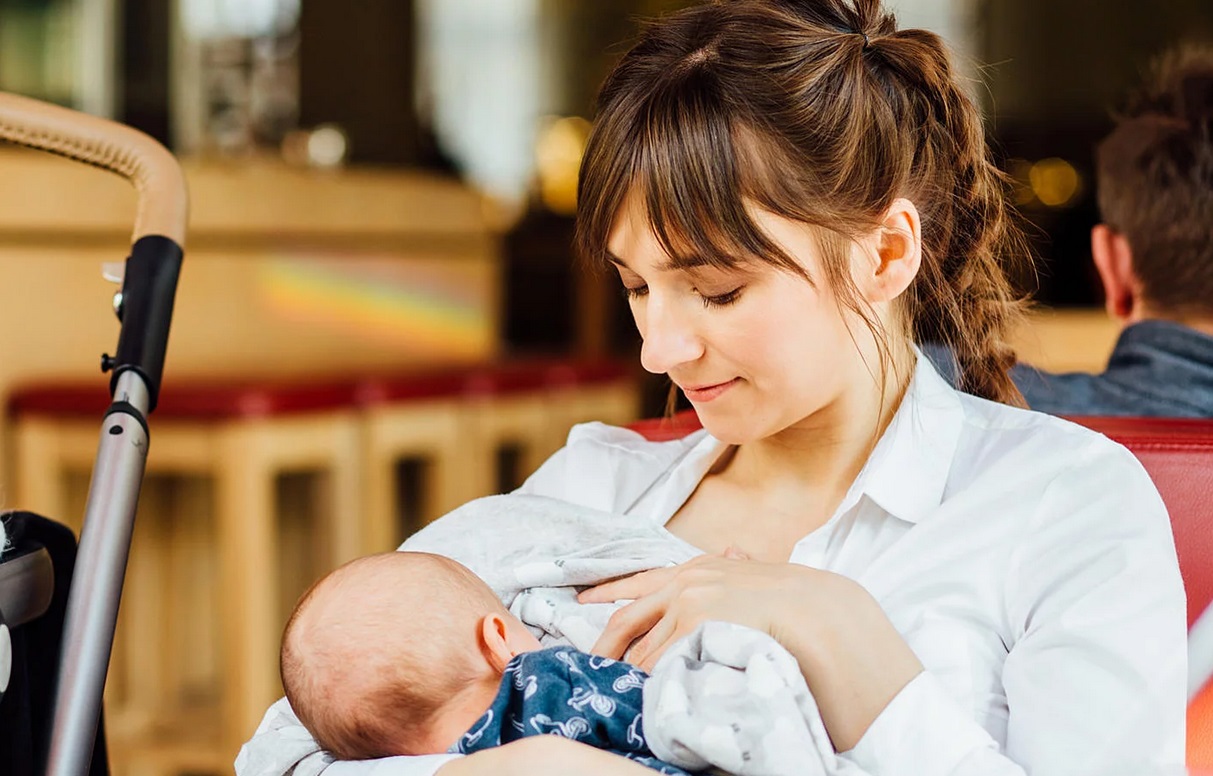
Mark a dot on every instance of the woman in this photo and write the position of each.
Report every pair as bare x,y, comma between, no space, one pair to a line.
793,193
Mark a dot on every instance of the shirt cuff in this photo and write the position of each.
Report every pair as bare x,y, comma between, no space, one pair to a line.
921,731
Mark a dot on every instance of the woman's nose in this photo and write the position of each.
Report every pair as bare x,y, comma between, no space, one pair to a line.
668,340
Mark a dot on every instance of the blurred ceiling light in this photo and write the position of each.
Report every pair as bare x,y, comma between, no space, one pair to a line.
327,146
1054,181
558,152
1021,187
238,18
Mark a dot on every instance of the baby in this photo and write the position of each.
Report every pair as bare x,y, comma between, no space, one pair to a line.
408,653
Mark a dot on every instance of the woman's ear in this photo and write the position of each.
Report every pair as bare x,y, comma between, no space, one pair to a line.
494,641
897,255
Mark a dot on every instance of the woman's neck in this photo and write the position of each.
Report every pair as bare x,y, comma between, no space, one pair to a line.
824,453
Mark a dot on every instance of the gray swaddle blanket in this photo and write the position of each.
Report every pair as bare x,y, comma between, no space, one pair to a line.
536,552
731,697
727,696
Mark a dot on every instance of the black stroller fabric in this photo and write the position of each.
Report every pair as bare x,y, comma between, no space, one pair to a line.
26,707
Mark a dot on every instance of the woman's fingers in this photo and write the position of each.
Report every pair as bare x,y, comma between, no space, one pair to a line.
633,587
648,649
648,661
629,623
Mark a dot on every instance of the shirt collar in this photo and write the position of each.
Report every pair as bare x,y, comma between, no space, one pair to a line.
908,471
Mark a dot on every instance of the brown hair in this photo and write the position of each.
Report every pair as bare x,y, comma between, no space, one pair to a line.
350,658
823,112
1155,181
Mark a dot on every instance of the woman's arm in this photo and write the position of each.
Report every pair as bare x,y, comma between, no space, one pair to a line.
1095,678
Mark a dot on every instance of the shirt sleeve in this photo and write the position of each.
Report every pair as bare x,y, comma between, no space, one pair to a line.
283,747
1096,676
601,467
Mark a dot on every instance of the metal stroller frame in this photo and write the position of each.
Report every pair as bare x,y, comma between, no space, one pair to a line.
144,306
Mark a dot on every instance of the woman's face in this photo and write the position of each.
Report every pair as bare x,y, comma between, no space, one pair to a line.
756,349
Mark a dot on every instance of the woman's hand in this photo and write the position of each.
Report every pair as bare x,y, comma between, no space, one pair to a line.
543,754
852,657
671,602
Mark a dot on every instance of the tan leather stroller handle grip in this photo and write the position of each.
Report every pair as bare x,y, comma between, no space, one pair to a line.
153,171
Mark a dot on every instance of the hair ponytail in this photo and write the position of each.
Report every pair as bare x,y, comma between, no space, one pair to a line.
971,236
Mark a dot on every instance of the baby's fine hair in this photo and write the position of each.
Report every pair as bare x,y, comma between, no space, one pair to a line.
375,649
823,112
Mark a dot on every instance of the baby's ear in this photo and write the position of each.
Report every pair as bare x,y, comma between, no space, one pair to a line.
494,641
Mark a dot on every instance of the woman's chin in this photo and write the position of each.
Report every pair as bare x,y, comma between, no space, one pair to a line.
730,429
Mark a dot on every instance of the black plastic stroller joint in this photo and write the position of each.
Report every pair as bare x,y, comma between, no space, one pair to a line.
148,288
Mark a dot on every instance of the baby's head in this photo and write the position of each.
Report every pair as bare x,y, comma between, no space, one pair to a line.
397,653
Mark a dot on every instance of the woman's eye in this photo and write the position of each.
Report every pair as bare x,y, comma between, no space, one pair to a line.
722,300
633,292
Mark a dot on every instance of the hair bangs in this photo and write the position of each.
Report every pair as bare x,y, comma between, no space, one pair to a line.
681,155
688,174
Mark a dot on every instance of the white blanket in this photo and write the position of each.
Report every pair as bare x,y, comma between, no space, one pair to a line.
731,697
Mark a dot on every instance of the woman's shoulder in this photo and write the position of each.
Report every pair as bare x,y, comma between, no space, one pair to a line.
607,467
993,437
1045,453
1002,425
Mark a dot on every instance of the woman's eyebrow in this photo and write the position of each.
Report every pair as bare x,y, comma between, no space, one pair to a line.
618,262
666,266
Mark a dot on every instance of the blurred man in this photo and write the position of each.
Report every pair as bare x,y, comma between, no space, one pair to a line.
1154,254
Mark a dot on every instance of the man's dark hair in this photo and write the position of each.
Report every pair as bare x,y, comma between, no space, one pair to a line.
1155,181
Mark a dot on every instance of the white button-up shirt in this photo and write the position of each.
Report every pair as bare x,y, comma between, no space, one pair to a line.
1027,561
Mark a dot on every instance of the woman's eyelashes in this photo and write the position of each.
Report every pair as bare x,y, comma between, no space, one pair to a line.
716,300
721,300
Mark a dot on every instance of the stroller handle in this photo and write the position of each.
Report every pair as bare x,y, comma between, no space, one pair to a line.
145,309
158,243
151,169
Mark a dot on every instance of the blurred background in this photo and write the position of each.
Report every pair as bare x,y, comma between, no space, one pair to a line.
382,200
497,94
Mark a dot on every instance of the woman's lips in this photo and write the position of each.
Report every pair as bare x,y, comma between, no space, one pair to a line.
705,393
